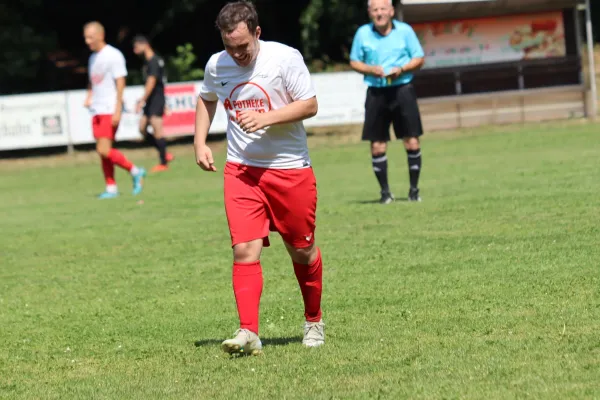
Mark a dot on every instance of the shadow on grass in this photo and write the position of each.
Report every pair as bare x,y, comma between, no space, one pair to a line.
376,201
266,342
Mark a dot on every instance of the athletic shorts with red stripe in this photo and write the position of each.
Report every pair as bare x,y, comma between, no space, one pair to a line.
259,200
102,127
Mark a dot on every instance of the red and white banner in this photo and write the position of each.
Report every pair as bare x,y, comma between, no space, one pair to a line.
492,39
181,100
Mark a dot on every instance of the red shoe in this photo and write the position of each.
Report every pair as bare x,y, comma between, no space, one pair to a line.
159,168
170,157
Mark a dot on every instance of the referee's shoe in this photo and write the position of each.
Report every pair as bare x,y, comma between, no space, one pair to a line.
386,198
413,195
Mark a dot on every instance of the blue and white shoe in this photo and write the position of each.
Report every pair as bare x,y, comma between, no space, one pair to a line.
108,195
138,181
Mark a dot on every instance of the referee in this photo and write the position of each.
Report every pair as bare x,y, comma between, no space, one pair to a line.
153,101
387,52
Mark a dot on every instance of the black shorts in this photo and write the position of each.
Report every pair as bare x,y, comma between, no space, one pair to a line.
395,105
155,107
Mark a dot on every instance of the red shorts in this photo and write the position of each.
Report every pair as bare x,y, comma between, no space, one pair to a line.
102,127
259,200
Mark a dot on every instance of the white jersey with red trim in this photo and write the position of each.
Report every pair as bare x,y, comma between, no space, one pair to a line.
277,78
104,67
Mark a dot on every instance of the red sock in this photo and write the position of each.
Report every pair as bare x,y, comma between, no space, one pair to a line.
109,171
247,287
117,158
310,278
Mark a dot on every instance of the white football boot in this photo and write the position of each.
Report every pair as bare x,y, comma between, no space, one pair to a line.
314,334
244,342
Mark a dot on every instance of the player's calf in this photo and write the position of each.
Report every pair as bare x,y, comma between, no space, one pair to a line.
308,267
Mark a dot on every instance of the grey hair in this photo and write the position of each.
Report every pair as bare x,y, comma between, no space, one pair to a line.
369,3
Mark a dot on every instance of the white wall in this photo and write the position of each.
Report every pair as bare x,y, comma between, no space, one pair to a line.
59,118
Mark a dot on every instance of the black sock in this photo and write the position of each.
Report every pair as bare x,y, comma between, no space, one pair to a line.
161,145
151,140
380,168
414,167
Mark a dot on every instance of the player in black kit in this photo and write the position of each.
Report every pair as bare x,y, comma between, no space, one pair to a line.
153,102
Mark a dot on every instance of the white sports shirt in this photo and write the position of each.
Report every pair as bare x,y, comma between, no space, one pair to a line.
277,78
104,67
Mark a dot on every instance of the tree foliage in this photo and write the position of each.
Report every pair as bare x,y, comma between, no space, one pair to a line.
182,66
328,27
23,45
33,32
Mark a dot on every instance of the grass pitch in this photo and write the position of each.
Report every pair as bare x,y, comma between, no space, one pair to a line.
490,288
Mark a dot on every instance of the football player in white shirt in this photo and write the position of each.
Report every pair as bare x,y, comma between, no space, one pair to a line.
107,72
267,92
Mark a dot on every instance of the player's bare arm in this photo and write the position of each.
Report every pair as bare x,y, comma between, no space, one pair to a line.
88,99
148,88
251,121
120,83
205,113
365,69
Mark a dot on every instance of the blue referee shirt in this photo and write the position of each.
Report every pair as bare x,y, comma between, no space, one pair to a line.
394,50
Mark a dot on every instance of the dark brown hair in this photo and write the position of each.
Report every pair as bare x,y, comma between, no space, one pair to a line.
233,13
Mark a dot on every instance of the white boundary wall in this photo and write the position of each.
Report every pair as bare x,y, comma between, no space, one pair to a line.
60,119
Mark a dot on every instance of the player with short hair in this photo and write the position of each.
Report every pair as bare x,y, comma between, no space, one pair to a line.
152,102
387,52
107,72
267,92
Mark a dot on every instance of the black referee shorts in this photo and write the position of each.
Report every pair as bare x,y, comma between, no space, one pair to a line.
155,107
395,105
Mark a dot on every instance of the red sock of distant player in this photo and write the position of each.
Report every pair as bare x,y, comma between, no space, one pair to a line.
109,171
247,286
310,278
117,158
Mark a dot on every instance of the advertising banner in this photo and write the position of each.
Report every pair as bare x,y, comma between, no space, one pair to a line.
178,120
431,2
341,97
492,39
31,121
181,109
80,118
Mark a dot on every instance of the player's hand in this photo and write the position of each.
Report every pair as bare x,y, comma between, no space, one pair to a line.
88,102
395,73
204,158
116,118
139,106
251,121
377,70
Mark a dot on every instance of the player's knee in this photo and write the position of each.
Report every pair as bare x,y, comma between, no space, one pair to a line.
102,149
411,143
306,255
156,123
247,252
378,148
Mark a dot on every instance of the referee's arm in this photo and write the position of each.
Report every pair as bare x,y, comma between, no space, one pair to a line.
416,52
414,64
357,58
365,69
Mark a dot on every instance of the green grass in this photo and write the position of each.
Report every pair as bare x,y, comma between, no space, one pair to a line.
490,288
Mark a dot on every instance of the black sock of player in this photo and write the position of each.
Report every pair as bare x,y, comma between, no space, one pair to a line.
380,168
150,139
161,145
414,167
